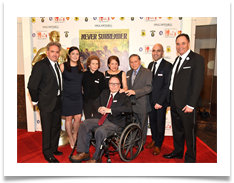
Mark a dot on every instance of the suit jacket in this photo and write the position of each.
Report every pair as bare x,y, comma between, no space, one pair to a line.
189,81
43,85
142,87
160,83
121,104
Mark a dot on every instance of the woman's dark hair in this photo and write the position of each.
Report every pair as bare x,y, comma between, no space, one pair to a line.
113,57
79,67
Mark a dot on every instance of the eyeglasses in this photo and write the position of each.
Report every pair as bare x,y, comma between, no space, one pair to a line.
114,84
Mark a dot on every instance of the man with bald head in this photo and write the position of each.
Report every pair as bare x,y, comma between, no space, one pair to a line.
160,69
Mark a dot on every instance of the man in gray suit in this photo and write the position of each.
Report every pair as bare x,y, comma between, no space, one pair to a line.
139,81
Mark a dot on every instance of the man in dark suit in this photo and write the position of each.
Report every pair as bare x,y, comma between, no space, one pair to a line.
45,88
139,81
111,105
160,69
186,83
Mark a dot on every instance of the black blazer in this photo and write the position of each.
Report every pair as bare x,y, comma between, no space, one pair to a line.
93,84
121,104
161,83
189,81
43,85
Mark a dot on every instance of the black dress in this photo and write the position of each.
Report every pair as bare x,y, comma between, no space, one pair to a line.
108,76
72,92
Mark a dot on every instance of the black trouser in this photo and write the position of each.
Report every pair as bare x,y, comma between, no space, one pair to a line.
51,127
157,124
183,126
88,109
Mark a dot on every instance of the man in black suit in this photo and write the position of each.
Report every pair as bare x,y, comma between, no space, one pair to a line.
160,69
45,88
111,105
186,83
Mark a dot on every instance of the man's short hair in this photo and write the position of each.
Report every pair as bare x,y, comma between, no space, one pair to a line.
116,78
185,35
135,55
52,43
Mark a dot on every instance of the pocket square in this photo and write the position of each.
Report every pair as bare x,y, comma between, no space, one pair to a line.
187,67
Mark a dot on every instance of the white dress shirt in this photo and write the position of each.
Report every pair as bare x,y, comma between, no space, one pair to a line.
174,68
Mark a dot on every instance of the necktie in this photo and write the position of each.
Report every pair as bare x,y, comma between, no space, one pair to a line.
133,77
177,67
154,69
101,121
57,71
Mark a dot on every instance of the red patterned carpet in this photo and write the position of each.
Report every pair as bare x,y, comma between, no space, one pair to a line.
29,150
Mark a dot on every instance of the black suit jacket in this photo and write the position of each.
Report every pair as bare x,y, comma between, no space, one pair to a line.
43,85
160,83
121,104
189,81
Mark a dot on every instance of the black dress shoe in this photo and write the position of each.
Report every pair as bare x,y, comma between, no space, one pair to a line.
52,160
56,152
172,155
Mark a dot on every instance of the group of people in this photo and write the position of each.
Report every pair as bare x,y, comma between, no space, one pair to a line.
69,89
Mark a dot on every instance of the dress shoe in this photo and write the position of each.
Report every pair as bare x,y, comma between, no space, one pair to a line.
80,157
52,160
56,152
157,151
150,145
93,161
172,155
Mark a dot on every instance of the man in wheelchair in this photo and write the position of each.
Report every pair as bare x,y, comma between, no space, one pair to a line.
111,106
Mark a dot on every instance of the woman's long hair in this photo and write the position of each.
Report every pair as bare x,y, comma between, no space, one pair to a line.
68,65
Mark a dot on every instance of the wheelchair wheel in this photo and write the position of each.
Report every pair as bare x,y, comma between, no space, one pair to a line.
130,142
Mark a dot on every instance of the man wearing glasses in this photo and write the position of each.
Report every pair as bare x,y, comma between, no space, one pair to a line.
110,105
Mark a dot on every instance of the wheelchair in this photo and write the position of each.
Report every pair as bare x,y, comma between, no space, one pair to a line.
126,141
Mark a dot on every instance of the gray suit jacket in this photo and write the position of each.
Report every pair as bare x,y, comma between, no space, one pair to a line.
142,87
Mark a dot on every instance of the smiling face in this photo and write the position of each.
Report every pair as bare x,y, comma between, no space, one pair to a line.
114,84
74,56
182,45
93,65
113,65
134,62
53,53
157,52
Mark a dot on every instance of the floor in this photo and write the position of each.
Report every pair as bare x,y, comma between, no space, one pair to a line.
208,137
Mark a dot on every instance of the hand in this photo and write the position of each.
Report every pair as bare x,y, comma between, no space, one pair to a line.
157,106
121,90
130,92
102,110
187,109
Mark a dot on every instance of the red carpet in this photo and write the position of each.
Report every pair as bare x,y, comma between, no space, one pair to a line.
29,150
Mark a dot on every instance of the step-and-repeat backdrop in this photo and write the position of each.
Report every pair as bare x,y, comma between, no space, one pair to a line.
105,36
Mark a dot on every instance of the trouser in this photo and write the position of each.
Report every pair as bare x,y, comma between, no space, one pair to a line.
51,127
84,134
183,126
143,119
157,124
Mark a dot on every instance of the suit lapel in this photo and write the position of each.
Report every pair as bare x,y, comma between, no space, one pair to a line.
186,60
52,70
138,76
130,78
160,67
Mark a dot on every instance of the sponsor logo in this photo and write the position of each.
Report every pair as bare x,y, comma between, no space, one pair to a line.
94,18
168,50
148,49
168,126
76,18
104,19
141,18
152,33
59,19
180,18
67,18
38,121
167,57
34,50
33,19
179,32
42,19
66,33
160,33
33,35
160,17
140,49
150,18
170,33
169,18
86,19
42,35
143,33
132,18
50,18
112,18
122,18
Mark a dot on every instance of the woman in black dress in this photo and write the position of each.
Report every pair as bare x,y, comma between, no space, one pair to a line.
92,85
72,103
113,64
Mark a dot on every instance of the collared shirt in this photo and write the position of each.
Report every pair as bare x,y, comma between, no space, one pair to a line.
157,65
174,68
52,64
136,70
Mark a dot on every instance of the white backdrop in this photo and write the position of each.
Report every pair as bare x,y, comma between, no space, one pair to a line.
144,32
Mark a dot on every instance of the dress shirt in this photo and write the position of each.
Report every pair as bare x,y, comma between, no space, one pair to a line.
136,71
174,68
157,65
52,64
